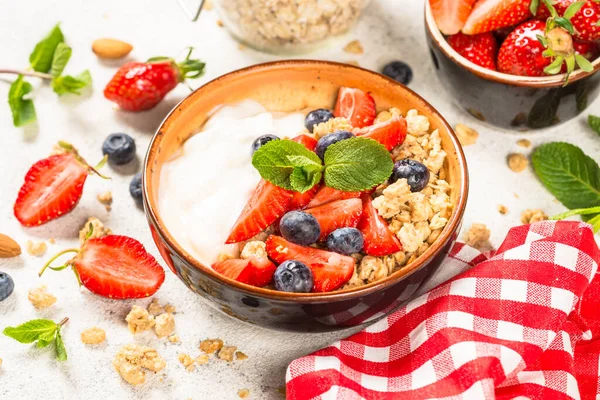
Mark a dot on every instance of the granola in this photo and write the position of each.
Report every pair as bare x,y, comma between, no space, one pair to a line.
164,325
466,136
93,335
139,320
106,199
478,236
517,162
530,216
132,360
209,346
98,230
354,47
40,298
227,353
240,356
36,249
243,393
502,209
254,248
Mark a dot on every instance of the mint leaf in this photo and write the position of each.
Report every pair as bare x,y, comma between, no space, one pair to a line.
594,123
23,111
570,175
357,164
60,59
61,352
43,53
69,84
305,177
32,330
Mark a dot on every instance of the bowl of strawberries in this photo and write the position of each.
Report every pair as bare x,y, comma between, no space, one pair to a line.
517,64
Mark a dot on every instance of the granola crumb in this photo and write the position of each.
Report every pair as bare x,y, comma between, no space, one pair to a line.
132,360
202,359
478,236
93,335
209,346
516,195
208,5
170,309
40,298
154,308
174,339
383,116
466,136
524,143
36,249
354,47
139,320
530,216
353,62
105,198
186,360
226,353
240,356
332,125
254,248
0,362
164,325
224,256
517,162
220,23
98,229
51,241
502,209
243,393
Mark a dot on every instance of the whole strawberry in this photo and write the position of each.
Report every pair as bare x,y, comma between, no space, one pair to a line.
139,86
584,21
521,52
480,49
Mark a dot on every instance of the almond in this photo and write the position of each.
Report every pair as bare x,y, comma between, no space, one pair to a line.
8,247
111,48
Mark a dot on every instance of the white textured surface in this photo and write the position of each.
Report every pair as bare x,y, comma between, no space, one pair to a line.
388,31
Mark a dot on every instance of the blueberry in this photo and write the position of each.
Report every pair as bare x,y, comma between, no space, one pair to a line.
135,188
119,147
413,171
345,241
330,139
262,140
293,276
7,285
300,228
315,117
398,71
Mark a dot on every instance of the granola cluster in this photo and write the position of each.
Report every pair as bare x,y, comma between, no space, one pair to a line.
132,361
156,316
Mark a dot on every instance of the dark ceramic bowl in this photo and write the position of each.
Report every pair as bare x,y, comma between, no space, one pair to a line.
292,86
509,101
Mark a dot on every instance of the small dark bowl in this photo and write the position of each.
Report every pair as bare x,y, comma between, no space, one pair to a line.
292,86
509,101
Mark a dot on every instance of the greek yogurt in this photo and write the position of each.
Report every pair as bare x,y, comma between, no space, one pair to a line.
206,185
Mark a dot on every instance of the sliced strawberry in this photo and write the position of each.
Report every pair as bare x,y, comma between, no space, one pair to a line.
379,240
356,106
118,267
308,141
267,203
300,200
328,194
450,15
390,133
480,49
489,15
330,270
253,271
53,187
337,214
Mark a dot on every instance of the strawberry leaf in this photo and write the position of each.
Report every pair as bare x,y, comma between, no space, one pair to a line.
23,111
43,53
573,9
61,58
583,63
555,67
565,24
533,7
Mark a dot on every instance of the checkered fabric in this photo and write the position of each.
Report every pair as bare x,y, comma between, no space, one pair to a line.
523,323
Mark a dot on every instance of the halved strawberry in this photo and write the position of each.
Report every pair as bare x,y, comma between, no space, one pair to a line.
356,106
328,194
117,267
330,270
253,271
337,214
379,240
390,133
308,141
480,49
267,203
489,15
300,200
450,15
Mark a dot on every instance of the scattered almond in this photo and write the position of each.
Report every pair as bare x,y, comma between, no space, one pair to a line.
354,47
502,209
243,393
8,247
93,335
466,136
524,143
531,216
517,162
111,48
36,249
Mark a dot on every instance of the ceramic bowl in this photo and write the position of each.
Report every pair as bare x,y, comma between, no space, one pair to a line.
291,86
509,101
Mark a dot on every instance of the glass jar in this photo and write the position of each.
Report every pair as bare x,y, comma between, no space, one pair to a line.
285,26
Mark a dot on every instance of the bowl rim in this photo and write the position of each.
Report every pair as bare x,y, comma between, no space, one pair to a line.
499,77
306,298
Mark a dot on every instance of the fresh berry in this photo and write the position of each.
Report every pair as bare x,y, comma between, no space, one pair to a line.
398,71
390,133
52,188
584,21
135,188
328,194
356,106
117,267
252,271
139,86
451,15
521,52
301,200
480,49
293,276
489,15
345,241
308,141
6,286
300,228
589,50
330,270
315,117
330,139
267,203
378,239
119,147
262,140
416,174
337,214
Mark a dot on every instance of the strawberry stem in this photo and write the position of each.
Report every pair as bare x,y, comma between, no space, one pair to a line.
55,257
190,68
26,73
63,321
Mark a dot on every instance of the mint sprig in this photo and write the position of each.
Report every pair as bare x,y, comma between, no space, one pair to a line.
349,165
42,55
44,331
594,123
23,111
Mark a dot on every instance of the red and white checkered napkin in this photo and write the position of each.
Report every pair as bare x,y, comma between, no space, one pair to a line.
524,323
